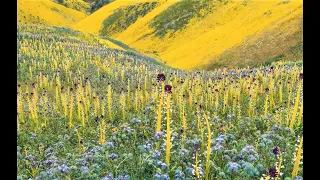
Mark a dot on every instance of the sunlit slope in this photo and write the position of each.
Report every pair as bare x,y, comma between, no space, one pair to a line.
47,12
123,17
281,41
230,26
141,28
78,5
93,23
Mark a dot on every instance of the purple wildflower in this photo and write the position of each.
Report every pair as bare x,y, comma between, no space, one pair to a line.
183,152
33,136
196,148
84,169
147,146
220,139
297,178
217,147
123,177
301,76
156,154
88,156
108,177
113,156
248,149
110,144
272,172
179,175
167,88
162,165
276,150
158,135
233,167
161,77
63,168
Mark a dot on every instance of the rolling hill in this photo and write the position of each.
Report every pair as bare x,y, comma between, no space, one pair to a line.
191,34
93,23
50,13
47,12
78,5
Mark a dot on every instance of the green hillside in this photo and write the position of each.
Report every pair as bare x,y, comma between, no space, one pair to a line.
124,17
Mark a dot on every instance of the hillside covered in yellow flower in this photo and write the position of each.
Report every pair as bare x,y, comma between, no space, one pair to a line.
202,33
47,12
186,34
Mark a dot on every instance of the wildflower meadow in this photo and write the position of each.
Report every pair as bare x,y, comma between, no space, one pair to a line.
89,112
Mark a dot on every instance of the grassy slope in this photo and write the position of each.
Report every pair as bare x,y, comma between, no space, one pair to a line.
93,23
51,13
123,17
47,12
233,26
97,4
58,32
140,29
78,5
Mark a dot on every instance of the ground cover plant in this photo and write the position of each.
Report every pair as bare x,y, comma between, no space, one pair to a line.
89,112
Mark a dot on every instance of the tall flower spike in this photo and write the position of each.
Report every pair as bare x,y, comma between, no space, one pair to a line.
297,160
296,105
168,141
208,148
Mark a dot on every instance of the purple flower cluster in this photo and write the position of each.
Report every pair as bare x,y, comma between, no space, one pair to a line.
233,167
162,165
113,156
63,168
276,150
88,156
158,135
161,77
183,152
126,129
109,145
272,172
156,154
168,88
159,176
248,150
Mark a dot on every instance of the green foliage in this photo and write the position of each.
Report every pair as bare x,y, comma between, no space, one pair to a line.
179,14
78,5
124,17
97,4
119,43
